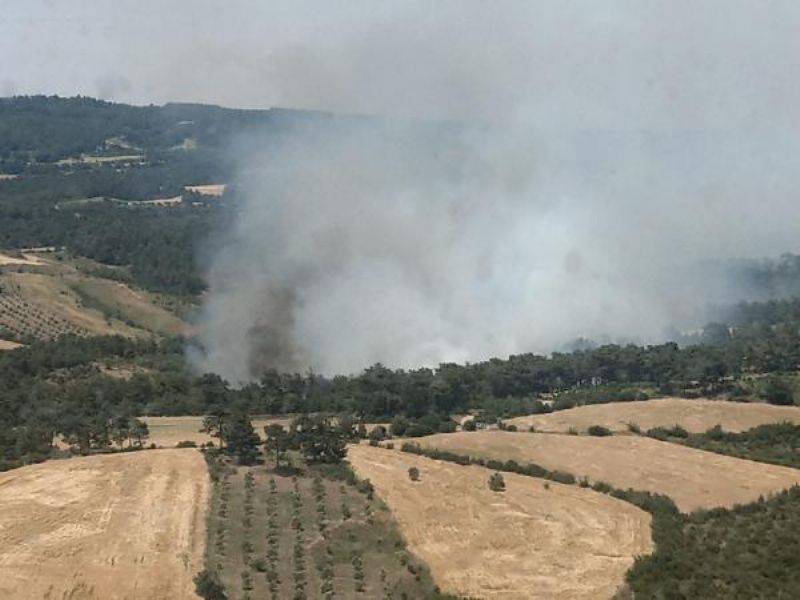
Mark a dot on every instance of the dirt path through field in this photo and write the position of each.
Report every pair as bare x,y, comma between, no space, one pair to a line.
695,416
112,527
692,478
535,540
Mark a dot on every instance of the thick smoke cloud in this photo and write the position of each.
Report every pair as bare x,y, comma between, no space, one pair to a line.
412,244
606,152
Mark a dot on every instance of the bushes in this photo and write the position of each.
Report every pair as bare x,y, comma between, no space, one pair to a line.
663,433
777,443
510,466
778,391
208,586
413,473
746,552
496,482
599,431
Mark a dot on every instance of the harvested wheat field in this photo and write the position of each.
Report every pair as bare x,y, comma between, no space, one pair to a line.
692,478
166,432
536,539
117,526
695,416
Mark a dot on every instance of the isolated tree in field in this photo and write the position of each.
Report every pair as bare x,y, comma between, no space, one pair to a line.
378,433
242,440
214,423
497,483
208,586
278,442
139,432
413,474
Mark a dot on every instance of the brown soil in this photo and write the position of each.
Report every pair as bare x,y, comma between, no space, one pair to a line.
108,527
536,539
695,416
692,478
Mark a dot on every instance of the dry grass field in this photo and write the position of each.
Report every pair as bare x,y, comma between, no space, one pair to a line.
136,306
22,259
695,416
44,299
692,478
536,539
123,526
166,432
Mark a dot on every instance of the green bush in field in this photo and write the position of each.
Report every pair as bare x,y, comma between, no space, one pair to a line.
496,482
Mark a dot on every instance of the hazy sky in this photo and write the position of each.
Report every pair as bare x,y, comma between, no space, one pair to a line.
622,64
629,141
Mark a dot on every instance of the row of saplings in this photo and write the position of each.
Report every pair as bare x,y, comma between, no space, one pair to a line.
319,440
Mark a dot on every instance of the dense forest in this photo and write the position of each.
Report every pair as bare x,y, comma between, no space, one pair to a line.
48,384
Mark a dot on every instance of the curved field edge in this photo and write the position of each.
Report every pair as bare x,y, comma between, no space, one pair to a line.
105,527
749,551
536,537
695,416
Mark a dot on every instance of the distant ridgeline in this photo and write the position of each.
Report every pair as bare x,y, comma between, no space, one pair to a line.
65,164
46,129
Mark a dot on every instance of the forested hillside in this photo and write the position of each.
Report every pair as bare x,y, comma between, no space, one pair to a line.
101,210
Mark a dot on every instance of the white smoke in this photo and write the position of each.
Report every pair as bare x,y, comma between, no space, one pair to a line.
622,144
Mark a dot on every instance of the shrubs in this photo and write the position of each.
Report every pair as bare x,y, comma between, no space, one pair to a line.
186,444
511,466
777,443
778,391
599,431
426,425
496,482
208,586
413,474
663,433
469,425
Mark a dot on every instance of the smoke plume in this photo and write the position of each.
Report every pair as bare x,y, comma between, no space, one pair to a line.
535,171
